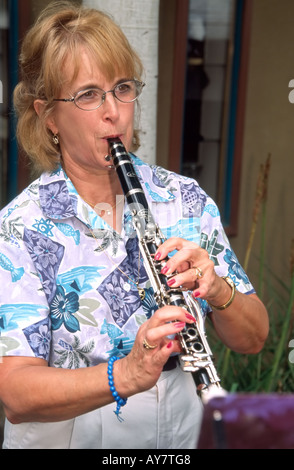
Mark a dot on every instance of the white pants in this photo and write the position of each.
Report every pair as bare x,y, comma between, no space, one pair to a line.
166,417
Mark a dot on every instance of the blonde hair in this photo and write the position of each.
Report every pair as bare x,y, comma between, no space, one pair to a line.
58,33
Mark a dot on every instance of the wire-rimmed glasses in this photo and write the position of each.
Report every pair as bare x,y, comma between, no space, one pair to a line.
93,98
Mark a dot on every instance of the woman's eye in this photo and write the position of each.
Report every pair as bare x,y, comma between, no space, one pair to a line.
88,95
123,88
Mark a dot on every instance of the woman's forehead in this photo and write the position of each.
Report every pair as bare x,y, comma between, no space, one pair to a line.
84,67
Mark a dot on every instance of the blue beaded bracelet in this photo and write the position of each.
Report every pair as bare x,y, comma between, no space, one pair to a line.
119,401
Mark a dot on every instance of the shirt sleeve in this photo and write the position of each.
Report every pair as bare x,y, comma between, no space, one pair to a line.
24,312
215,241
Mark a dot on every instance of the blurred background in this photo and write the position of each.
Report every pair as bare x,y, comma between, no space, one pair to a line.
216,107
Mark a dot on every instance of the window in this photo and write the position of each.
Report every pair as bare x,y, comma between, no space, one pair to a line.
214,100
207,87
208,95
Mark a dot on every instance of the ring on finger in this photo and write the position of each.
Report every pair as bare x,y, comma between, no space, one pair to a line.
146,345
198,272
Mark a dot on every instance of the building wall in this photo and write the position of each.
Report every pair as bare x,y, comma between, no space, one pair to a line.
268,129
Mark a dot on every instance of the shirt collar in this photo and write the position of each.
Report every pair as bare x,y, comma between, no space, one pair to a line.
55,200
60,200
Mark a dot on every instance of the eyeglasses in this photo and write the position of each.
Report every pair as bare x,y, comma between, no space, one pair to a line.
93,98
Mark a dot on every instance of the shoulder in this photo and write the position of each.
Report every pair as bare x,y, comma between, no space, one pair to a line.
174,185
160,175
15,208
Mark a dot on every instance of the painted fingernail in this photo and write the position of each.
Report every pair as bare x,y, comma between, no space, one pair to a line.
169,345
190,317
196,294
171,282
179,324
157,256
164,270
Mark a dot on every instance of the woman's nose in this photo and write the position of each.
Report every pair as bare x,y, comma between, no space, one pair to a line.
110,106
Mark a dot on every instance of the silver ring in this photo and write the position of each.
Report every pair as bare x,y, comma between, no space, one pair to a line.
146,345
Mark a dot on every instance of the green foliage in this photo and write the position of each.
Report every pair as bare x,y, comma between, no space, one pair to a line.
270,370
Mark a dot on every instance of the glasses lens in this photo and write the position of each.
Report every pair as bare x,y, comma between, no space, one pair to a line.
89,99
128,91
92,98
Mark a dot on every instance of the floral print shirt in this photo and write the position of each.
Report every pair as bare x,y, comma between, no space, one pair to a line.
68,292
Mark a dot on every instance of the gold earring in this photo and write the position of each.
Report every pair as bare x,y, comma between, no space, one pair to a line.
55,139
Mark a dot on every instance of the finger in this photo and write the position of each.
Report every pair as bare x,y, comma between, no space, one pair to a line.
188,254
154,336
188,278
173,243
168,314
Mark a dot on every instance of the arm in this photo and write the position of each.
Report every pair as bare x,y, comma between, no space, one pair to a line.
243,326
32,391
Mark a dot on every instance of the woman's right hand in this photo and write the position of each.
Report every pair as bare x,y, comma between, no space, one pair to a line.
142,367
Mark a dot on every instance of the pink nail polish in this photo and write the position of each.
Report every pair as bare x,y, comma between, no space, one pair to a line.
190,317
171,282
164,270
196,294
157,256
169,345
179,324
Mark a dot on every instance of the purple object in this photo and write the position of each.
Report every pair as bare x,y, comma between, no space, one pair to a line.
248,421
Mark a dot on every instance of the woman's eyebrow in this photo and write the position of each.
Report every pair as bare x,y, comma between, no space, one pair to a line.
94,85
87,86
122,80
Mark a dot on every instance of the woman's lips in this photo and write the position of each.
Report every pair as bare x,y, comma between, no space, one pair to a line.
107,157
113,136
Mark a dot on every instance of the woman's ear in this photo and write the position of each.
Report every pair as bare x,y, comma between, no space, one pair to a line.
39,106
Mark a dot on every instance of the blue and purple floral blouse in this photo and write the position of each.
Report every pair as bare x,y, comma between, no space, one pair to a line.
67,279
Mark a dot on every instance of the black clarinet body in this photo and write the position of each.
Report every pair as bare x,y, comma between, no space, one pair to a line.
197,356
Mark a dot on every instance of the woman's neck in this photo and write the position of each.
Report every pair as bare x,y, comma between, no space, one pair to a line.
102,191
97,186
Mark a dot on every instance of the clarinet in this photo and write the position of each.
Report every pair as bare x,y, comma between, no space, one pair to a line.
197,356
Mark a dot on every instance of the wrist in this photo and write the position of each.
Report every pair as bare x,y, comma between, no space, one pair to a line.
120,401
224,300
124,382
